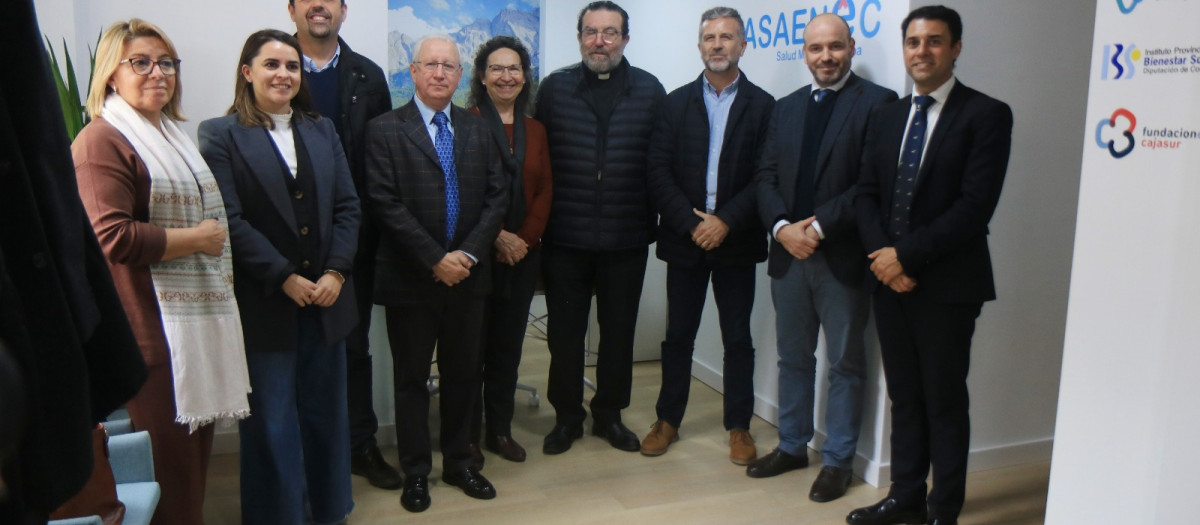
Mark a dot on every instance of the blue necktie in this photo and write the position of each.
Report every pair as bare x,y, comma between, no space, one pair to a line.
910,163
444,144
819,95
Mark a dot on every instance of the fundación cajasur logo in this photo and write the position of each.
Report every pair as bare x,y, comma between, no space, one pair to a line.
1111,123
1117,135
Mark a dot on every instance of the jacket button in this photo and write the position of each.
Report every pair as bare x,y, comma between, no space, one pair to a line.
305,264
298,194
304,230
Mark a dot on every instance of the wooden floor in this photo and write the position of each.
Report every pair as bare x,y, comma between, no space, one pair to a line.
694,483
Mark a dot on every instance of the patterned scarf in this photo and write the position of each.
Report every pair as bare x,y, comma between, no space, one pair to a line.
195,292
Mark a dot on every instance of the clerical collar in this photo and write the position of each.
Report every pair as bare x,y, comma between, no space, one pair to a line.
615,72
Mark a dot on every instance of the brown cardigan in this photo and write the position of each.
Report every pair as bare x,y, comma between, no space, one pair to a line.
536,175
115,188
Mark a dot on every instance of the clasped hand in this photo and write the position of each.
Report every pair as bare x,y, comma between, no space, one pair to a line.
799,238
711,231
510,248
887,268
454,267
304,292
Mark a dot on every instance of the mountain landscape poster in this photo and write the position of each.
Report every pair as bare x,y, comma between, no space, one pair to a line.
469,22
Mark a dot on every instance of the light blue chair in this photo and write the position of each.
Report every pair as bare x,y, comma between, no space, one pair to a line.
132,462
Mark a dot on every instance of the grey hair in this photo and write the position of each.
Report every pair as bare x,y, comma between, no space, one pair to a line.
723,12
434,36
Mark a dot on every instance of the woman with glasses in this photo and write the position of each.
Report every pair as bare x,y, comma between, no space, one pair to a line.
500,93
160,219
293,219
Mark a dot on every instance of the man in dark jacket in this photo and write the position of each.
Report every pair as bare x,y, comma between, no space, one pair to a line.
599,115
817,263
349,89
706,143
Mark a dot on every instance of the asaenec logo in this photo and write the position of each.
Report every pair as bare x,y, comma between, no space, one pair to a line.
1126,6
1111,122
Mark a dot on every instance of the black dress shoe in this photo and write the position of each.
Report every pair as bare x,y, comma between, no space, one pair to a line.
775,463
505,446
618,436
888,512
559,440
369,463
476,456
415,497
831,484
471,482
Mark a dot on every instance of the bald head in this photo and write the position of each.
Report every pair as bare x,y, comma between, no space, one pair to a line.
828,48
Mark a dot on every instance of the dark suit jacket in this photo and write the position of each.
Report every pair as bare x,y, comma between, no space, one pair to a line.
958,186
262,225
836,173
407,189
678,174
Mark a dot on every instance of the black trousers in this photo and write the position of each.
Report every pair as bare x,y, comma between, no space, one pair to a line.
451,322
733,290
360,398
926,350
507,316
571,277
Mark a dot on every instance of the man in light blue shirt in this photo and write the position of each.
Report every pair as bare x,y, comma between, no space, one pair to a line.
707,139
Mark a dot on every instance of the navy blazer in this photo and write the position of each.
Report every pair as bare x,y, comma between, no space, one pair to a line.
677,174
407,190
839,159
262,225
958,186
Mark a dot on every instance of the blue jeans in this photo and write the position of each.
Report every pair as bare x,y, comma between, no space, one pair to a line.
807,299
295,446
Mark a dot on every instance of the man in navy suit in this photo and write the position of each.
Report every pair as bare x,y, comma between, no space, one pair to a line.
934,167
438,195
817,263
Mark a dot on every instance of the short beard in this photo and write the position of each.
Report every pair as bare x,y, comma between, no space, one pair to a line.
719,68
601,66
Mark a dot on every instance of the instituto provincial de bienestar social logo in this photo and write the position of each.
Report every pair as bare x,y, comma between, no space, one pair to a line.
1119,61
1111,124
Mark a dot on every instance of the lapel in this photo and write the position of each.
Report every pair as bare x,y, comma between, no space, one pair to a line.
458,119
322,167
949,112
261,157
789,172
845,103
414,128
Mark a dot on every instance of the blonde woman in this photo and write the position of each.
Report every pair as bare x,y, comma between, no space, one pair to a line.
160,219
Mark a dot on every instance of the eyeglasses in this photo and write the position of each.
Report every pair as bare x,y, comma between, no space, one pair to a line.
609,35
499,71
143,66
430,67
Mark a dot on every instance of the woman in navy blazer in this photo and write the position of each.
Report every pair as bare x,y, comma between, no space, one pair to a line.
293,221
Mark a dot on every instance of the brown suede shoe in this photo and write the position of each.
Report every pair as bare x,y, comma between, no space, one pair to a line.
661,435
741,447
